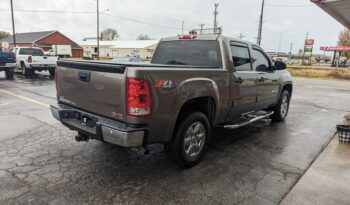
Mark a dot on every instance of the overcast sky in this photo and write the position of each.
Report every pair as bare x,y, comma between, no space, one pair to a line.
284,19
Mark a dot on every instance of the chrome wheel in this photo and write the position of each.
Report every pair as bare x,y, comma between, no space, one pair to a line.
194,140
284,106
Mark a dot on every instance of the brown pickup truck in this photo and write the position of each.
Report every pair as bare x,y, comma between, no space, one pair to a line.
193,83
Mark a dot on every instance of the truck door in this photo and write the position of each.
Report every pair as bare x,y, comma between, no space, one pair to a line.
268,80
245,79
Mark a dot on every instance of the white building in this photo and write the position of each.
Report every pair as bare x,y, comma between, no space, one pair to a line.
111,49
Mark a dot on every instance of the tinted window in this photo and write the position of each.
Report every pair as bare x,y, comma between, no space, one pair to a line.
31,51
241,57
261,61
188,52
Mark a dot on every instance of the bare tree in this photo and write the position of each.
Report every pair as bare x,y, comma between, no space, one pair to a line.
143,37
109,34
4,34
344,40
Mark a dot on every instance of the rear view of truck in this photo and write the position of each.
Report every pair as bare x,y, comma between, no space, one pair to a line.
7,63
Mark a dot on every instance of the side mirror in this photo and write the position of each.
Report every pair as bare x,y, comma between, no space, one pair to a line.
279,65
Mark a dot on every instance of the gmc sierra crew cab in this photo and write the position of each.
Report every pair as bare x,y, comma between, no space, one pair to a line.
193,83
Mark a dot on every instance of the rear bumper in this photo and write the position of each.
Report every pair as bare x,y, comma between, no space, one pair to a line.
7,66
42,66
100,128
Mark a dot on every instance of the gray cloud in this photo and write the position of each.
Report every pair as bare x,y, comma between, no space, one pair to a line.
236,16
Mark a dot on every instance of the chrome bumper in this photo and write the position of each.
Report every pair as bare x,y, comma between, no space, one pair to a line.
98,127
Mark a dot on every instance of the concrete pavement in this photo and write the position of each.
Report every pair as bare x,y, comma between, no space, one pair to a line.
327,181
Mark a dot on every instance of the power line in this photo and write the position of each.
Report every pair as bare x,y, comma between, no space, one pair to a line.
94,12
142,22
50,11
289,6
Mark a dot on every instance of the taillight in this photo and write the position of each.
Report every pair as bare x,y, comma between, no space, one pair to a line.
138,97
56,81
14,57
30,60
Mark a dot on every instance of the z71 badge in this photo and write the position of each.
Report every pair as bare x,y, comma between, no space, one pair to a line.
166,84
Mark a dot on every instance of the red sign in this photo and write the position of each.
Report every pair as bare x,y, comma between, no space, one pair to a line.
335,48
309,42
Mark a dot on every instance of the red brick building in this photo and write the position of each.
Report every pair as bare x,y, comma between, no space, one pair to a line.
44,40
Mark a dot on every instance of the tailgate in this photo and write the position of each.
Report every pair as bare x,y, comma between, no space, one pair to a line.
44,60
94,87
6,58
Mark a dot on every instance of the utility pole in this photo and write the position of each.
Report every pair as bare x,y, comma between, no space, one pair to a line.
290,51
13,26
215,18
261,23
182,28
201,25
307,36
279,46
241,36
98,31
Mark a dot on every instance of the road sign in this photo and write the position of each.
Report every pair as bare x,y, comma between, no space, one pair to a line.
309,42
5,44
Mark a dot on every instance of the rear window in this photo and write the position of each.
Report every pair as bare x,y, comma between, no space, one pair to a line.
191,52
31,51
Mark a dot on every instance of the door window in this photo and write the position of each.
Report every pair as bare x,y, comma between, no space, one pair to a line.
261,62
241,56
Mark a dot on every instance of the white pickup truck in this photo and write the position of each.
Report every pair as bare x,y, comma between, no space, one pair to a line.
30,60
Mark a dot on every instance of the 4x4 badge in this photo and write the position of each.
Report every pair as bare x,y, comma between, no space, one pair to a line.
167,84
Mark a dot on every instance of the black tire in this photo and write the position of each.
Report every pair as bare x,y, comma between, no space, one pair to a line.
26,71
52,72
281,109
9,73
176,149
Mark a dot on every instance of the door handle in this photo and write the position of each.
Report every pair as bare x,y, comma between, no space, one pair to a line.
239,80
84,76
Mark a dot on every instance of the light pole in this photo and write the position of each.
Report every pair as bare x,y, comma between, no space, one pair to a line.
13,26
98,30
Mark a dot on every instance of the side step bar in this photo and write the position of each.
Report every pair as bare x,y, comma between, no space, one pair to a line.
235,126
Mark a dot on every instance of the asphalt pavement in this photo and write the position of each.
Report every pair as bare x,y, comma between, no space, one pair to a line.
41,163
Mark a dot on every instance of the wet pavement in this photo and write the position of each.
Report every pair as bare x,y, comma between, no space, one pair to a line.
41,163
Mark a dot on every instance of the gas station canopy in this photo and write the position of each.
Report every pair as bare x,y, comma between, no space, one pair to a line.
338,9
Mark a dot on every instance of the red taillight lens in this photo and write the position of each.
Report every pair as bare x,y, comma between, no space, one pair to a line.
187,37
56,81
138,97
30,60
14,57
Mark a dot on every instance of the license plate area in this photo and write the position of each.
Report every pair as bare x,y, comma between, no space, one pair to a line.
83,119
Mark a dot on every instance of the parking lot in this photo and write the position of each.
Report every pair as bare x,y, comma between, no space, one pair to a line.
40,161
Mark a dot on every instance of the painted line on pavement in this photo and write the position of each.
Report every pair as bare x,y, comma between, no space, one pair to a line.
24,98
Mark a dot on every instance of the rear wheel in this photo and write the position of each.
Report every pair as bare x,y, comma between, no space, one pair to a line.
52,72
9,73
26,71
282,107
190,140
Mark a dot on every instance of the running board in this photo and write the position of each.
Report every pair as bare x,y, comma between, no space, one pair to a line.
235,126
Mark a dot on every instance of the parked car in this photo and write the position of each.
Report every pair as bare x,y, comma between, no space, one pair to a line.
7,63
128,58
30,60
193,84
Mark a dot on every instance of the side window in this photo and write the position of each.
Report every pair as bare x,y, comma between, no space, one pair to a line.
261,62
241,57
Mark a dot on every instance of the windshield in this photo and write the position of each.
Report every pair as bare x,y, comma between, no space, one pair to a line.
31,51
191,52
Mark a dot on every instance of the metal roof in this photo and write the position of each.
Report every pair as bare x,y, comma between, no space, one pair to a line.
338,9
30,37
120,44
